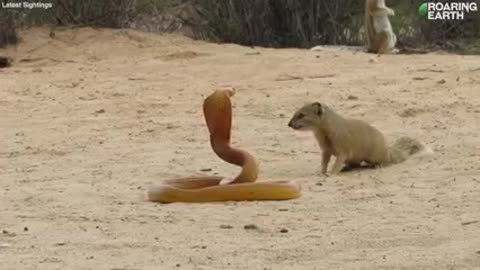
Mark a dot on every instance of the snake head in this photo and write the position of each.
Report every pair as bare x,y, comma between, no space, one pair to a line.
217,109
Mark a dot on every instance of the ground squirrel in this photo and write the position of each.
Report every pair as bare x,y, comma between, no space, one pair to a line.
351,141
380,36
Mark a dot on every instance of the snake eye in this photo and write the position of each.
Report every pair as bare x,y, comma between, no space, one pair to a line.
300,116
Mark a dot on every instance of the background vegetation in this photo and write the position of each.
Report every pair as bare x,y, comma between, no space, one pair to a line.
268,23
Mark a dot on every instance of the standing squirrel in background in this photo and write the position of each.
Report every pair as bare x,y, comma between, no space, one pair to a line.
380,36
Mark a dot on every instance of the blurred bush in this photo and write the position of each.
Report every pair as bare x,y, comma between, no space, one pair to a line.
279,23
8,35
268,23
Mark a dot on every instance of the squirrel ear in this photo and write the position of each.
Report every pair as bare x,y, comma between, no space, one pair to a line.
318,107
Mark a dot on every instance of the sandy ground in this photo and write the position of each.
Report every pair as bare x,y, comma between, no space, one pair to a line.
90,119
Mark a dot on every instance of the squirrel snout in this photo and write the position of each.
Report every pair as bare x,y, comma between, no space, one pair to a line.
293,125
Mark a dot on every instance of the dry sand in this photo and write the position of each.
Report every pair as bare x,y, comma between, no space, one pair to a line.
90,119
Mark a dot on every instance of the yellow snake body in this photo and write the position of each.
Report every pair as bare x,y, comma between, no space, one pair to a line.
217,109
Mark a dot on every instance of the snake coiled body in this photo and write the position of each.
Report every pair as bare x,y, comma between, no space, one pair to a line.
217,109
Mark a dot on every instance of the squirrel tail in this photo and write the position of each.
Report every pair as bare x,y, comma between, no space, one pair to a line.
404,147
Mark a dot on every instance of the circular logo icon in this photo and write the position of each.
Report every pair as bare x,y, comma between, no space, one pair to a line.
423,9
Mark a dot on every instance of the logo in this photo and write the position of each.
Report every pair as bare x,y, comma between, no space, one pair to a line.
447,10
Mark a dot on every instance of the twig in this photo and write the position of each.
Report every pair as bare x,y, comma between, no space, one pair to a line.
430,70
321,76
470,222
288,78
